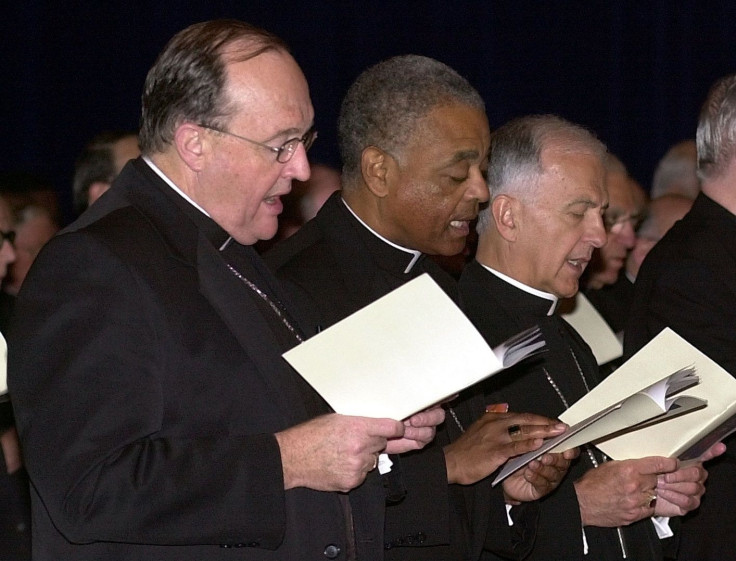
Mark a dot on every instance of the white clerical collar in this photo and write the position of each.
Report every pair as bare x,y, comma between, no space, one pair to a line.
170,183
526,288
416,254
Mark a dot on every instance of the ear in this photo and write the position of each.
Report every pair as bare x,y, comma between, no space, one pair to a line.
191,145
506,212
376,167
95,190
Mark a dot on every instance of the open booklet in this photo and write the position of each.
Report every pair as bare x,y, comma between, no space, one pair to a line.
405,352
582,315
639,409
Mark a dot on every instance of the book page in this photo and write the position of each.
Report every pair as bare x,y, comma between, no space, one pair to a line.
403,353
594,330
667,352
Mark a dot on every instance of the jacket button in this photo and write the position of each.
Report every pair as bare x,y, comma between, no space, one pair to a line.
332,551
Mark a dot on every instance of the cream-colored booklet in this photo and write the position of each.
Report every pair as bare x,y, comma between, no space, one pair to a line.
672,438
669,399
404,352
594,330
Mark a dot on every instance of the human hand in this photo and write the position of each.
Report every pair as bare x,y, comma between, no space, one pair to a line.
419,430
679,492
333,452
538,478
618,493
493,439
11,450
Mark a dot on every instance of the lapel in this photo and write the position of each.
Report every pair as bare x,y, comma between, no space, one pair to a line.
227,295
182,229
344,235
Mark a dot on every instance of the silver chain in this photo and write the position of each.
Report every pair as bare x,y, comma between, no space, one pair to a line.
266,299
554,385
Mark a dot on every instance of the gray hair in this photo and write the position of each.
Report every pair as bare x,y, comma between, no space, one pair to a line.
515,162
384,105
676,172
716,136
187,81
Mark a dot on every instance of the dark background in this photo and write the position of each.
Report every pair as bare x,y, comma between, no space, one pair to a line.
635,72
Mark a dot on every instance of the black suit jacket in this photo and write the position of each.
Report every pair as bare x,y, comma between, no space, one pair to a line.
148,386
334,266
500,310
688,283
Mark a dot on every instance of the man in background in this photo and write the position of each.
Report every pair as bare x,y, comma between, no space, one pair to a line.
687,283
100,163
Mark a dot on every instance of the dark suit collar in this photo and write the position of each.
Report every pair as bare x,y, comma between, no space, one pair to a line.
522,302
396,261
706,206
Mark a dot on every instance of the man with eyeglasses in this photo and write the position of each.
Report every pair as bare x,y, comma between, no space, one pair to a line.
158,418
605,282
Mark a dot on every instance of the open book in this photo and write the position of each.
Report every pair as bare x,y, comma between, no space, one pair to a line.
655,403
639,410
591,326
405,352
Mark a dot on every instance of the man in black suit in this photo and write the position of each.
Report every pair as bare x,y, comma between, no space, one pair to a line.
688,282
547,186
414,140
158,418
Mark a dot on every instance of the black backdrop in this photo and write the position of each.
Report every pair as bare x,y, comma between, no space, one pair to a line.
635,72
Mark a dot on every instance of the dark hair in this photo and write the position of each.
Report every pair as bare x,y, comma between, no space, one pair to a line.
95,163
385,103
187,81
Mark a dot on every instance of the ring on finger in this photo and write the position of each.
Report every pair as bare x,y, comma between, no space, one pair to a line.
514,430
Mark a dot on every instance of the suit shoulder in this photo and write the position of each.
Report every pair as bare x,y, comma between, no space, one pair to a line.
306,247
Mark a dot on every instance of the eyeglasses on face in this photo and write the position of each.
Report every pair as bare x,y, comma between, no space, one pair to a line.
9,236
283,152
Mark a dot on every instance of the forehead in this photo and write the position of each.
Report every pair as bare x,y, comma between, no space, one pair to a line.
269,91
452,133
620,192
572,177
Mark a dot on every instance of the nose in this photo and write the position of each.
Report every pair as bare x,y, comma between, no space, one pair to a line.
298,167
627,235
478,188
597,231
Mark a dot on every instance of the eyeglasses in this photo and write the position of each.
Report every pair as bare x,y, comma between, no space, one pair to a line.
9,236
283,152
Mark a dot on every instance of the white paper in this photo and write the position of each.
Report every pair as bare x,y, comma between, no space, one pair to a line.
594,330
403,353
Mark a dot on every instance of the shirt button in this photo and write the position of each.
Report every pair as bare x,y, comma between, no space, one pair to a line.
332,551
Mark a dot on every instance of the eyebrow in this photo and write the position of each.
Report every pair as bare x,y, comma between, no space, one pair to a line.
462,156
